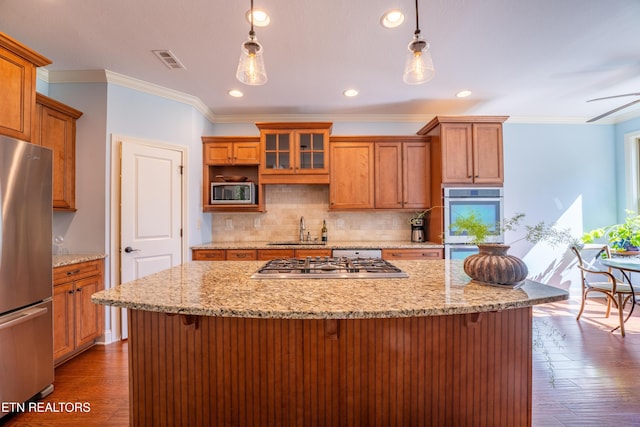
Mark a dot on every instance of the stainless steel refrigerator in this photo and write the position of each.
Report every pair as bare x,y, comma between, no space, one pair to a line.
26,319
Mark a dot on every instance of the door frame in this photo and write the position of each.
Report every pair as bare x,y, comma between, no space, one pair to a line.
115,233
632,171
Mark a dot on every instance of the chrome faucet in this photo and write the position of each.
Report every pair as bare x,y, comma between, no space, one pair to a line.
302,229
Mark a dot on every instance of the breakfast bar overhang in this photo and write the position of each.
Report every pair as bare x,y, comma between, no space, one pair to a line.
210,346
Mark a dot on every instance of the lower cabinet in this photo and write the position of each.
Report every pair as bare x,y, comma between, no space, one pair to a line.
77,322
412,254
267,254
251,254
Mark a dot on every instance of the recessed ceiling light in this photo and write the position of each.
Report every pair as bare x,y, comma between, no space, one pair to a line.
260,17
392,18
349,93
235,93
463,93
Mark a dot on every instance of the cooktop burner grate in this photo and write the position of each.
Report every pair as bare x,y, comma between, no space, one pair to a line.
328,268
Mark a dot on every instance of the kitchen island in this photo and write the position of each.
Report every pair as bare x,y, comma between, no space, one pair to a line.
210,346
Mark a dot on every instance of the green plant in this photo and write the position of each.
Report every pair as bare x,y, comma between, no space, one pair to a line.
417,216
620,236
473,226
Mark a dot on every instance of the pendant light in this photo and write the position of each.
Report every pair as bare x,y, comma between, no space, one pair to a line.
419,66
251,69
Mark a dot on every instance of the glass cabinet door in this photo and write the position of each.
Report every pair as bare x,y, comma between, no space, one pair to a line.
277,151
311,150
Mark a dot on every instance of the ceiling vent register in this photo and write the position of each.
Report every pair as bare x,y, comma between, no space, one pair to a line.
169,59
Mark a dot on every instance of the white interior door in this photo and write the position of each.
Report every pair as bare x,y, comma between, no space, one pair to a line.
150,212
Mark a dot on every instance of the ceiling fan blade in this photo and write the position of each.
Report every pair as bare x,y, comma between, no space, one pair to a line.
614,96
613,111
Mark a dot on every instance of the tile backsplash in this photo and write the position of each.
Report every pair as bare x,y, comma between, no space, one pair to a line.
285,205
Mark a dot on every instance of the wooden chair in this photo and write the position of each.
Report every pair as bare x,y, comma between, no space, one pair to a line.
594,279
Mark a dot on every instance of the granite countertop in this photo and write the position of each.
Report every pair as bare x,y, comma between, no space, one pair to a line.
400,244
225,289
62,260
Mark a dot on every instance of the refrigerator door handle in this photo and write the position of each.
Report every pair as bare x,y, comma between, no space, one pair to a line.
24,317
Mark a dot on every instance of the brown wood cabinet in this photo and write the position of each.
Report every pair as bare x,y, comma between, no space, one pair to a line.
303,253
208,254
412,254
230,156
77,322
241,255
18,66
294,153
55,128
236,150
402,174
466,149
352,174
251,254
267,254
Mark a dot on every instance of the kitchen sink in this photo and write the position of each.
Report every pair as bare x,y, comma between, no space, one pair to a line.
297,243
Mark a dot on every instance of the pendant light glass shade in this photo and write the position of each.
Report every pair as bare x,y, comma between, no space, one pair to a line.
251,69
419,66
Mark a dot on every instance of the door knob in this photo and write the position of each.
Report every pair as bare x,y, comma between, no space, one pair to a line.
129,249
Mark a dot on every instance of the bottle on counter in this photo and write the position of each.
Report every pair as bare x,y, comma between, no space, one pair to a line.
324,230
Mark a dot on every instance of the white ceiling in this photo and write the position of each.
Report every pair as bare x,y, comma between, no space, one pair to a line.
533,59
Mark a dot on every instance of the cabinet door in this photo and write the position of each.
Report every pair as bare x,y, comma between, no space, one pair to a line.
352,180
268,254
278,152
88,316
312,151
17,79
457,153
218,153
416,159
241,254
56,130
487,153
246,153
412,254
303,253
208,255
388,173
63,308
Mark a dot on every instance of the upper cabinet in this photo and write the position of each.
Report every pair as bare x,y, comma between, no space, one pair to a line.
379,172
236,150
352,173
466,149
230,157
55,128
294,153
18,66
402,173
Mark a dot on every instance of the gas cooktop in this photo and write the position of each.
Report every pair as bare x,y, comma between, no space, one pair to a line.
328,268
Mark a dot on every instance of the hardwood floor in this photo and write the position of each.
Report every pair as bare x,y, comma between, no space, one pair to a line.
583,375
98,377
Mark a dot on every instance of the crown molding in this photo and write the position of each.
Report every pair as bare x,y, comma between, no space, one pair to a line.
106,76
251,118
110,77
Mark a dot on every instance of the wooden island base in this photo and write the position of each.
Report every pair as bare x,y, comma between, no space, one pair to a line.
463,369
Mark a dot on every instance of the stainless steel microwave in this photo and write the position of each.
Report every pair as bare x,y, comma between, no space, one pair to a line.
230,193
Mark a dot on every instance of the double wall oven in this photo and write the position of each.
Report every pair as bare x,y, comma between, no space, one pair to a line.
485,202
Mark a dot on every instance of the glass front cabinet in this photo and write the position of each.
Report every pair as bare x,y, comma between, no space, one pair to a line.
294,153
